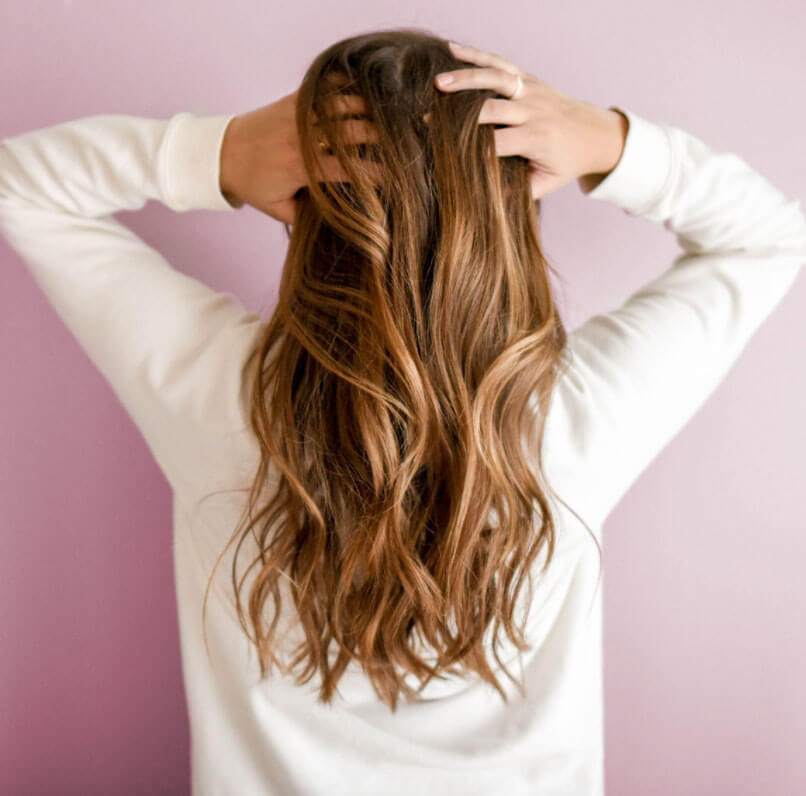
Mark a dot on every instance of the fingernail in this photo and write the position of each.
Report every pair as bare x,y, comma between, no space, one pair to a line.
443,80
453,44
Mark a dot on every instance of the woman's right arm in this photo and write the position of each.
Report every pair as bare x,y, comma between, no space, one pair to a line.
639,372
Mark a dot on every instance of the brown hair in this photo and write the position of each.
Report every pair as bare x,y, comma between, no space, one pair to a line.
414,327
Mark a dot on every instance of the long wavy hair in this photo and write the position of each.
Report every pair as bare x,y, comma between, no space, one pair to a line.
414,336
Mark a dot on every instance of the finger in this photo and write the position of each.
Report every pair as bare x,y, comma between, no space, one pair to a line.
346,104
482,58
501,80
511,141
332,170
356,131
338,79
359,132
502,111
497,111
541,185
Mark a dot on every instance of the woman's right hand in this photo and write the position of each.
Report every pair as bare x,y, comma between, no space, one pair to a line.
563,138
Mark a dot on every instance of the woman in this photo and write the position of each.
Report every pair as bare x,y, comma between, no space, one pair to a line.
405,471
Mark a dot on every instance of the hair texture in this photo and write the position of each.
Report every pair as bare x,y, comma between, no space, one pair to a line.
391,386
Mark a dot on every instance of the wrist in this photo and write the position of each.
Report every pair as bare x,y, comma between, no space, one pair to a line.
608,148
619,126
610,138
231,164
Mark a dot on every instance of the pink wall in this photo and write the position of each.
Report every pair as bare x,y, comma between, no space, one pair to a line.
705,605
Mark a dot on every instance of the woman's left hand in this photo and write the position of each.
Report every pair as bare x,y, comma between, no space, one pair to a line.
261,160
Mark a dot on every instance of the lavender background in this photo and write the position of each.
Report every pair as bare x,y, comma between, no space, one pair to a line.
704,599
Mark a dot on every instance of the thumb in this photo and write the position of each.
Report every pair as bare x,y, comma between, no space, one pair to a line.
542,183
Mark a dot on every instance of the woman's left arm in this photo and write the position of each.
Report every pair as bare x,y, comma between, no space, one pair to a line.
170,347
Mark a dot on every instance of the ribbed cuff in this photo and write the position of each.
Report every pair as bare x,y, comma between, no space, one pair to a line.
191,162
644,170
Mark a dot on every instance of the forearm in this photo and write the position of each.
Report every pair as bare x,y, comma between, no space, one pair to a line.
609,144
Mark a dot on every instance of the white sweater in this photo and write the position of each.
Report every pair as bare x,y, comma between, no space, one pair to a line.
172,349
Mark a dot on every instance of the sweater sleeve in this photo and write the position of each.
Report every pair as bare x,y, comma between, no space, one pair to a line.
170,347
640,371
